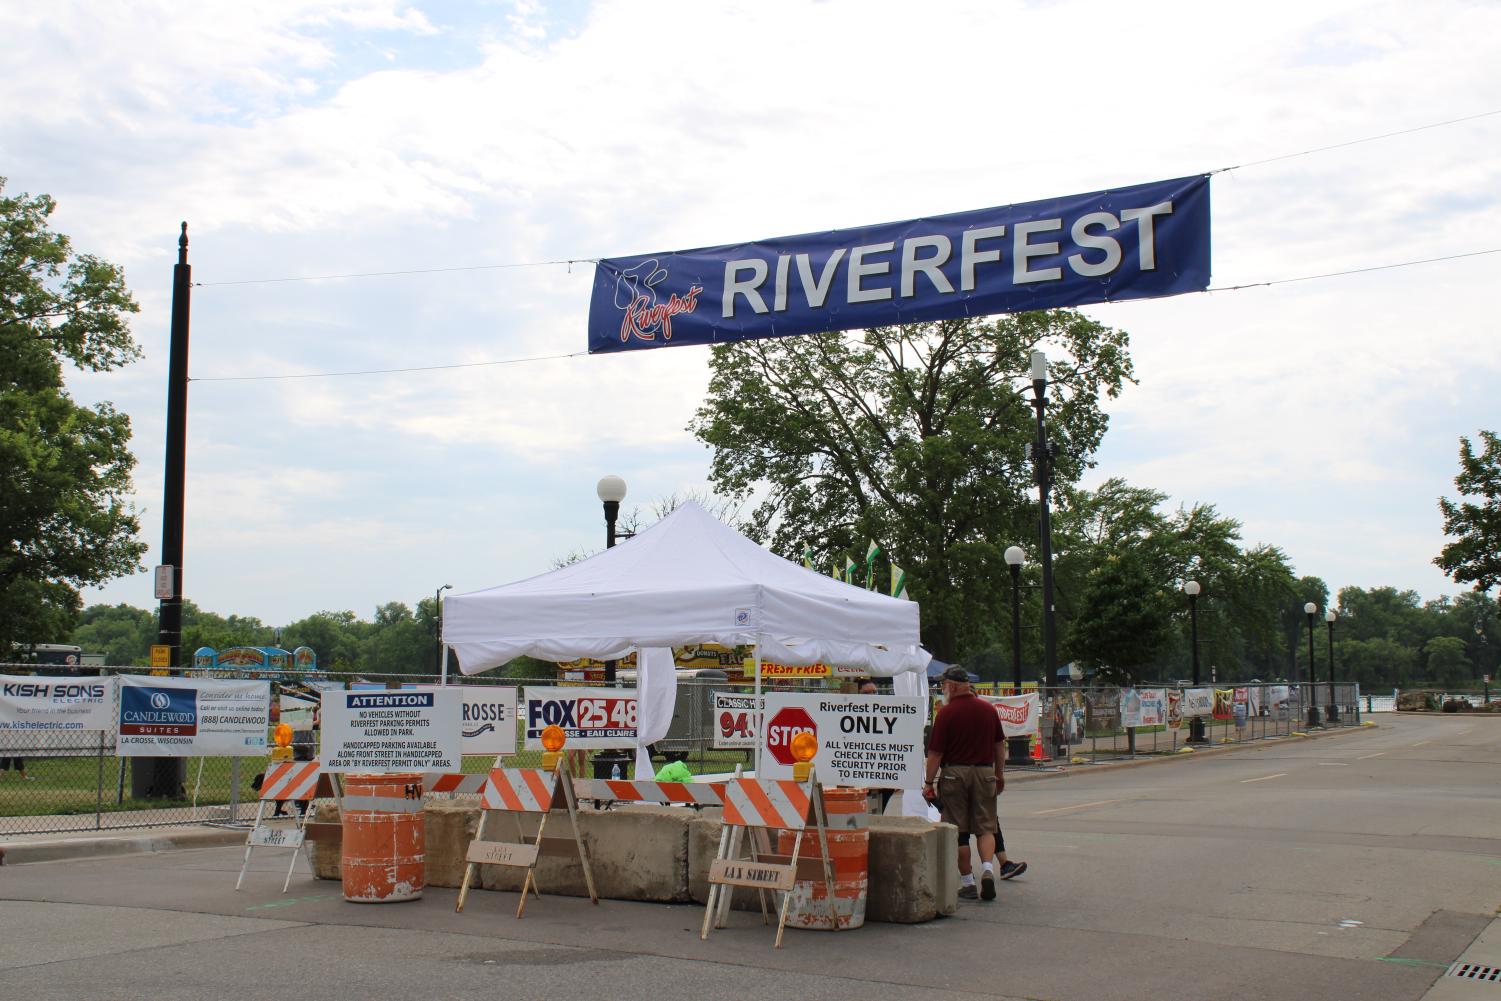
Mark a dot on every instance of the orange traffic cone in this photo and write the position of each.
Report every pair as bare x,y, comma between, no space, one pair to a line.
1037,752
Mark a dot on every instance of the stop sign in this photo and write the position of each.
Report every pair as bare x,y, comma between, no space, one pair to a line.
786,724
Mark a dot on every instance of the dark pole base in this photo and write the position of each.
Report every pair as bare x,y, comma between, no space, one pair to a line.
1313,716
1018,751
1196,731
1331,713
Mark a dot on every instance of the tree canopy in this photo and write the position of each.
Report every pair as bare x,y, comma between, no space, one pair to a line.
912,436
1474,555
63,509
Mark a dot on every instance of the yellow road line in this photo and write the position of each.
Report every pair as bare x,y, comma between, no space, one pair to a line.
1076,806
1265,777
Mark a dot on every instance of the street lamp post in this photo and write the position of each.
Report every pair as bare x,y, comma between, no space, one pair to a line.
612,763
1310,609
1331,715
439,661
1042,461
611,490
1016,747
1195,723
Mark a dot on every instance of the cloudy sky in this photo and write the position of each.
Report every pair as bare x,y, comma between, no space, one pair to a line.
306,139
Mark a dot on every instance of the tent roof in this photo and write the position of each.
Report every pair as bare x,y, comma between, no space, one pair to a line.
687,579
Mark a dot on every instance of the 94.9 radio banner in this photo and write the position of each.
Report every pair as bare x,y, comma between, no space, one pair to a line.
590,717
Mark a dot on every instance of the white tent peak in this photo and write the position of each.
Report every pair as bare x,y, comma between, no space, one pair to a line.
687,579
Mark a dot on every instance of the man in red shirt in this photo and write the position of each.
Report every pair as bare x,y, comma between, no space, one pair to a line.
966,754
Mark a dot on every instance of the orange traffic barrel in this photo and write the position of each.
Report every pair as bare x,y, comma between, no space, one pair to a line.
384,857
849,858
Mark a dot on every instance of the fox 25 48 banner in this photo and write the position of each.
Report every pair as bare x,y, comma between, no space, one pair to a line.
590,717
182,717
1133,242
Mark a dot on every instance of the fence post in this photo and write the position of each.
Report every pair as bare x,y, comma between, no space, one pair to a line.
99,787
234,790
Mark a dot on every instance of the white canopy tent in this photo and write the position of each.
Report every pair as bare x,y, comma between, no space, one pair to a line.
687,579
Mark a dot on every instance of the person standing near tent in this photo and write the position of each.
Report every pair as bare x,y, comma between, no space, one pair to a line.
966,767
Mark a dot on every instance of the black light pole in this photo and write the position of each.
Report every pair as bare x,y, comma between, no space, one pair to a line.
612,763
1042,461
1195,723
1310,609
1016,747
162,778
611,490
440,664
1331,715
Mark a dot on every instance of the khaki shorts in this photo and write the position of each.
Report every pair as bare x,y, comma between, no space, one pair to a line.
967,795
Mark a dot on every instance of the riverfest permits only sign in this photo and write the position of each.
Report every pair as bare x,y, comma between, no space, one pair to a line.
392,731
863,740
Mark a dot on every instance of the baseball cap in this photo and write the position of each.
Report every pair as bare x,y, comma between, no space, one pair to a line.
955,673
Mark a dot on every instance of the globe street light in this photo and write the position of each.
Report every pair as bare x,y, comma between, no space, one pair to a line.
1016,747
1331,715
1310,609
1195,723
1042,462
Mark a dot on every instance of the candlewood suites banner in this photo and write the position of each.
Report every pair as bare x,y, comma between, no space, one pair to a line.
1136,242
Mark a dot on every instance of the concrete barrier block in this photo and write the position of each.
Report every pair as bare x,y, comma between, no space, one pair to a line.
450,828
325,855
638,853
914,870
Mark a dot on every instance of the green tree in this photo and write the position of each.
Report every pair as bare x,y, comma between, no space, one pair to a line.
913,436
1446,663
1474,557
334,636
122,633
67,467
1125,617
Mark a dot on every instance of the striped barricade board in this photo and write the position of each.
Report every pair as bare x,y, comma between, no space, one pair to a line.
669,793
526,790
768,804
298,781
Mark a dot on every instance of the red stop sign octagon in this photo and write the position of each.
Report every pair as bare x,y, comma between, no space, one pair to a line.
785,725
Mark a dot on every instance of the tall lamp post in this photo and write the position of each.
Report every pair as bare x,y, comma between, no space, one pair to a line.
611,490
439,661
612,763
1195,723
1310,609
1332,714
1042,461
1016,747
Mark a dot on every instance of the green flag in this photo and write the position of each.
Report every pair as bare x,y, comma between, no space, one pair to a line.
849,569
898,582
870,565
808,556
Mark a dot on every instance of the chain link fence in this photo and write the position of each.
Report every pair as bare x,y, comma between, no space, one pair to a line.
75,781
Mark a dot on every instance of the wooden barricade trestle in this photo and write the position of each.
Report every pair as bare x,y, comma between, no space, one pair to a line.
528,790
299,782
760,805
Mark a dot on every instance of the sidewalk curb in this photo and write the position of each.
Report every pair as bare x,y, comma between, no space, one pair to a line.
22,852
1066,771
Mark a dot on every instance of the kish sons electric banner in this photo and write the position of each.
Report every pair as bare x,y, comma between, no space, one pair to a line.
191,717
55,704
1137,242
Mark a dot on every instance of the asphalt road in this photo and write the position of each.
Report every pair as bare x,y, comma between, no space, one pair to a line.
1357,865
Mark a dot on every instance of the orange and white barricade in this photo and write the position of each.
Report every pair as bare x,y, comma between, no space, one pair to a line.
455,783
529,790
668,793
766,804
301,782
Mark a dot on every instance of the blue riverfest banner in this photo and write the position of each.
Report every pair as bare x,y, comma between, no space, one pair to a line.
1138,242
